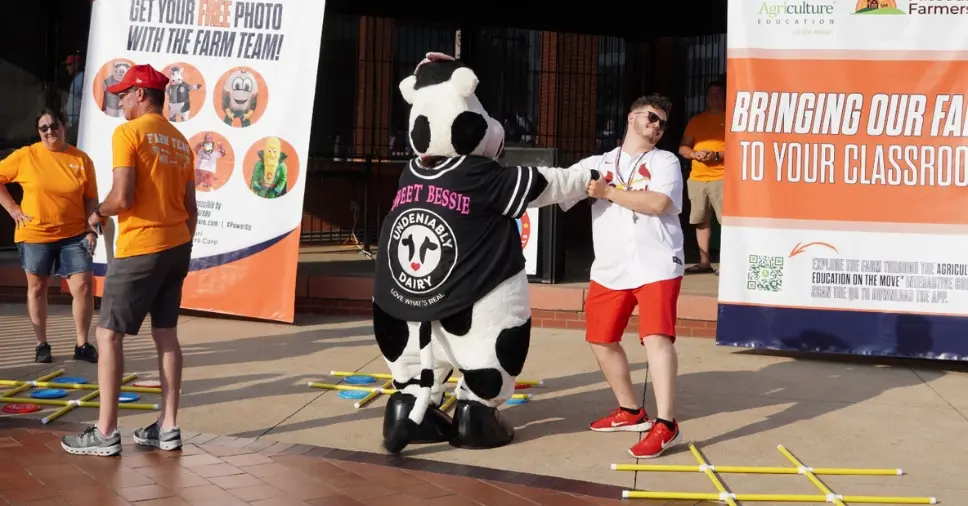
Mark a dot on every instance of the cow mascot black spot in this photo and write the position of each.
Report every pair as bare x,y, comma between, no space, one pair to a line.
450,288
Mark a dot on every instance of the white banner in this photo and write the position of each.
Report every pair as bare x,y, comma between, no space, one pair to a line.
242,85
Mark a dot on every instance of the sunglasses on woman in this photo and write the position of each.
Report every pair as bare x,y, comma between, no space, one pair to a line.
45,128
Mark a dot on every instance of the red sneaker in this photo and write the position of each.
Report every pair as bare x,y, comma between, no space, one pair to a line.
659,439
621,420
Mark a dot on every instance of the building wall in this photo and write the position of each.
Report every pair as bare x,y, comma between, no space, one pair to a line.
567,91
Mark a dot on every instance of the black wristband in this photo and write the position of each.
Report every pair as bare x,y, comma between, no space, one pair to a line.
97,211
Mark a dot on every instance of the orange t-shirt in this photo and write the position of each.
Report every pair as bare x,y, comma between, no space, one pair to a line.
164,165
708,131
55,184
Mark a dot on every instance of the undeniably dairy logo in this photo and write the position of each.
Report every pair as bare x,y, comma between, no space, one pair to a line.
797,14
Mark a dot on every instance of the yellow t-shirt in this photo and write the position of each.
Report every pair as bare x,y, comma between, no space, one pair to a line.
708,131
164,166
55,184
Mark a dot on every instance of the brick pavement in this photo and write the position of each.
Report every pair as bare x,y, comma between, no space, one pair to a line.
224,471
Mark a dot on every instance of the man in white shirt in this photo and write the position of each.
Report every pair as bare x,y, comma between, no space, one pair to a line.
638,245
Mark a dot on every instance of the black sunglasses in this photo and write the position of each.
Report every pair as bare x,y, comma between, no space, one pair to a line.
44,128
654,118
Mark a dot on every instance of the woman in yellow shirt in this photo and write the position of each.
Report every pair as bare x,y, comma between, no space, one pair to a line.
52,235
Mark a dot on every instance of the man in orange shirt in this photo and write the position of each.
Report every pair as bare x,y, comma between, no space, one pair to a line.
153,196
704,142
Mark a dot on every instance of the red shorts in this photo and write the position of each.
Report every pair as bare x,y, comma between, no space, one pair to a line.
607,311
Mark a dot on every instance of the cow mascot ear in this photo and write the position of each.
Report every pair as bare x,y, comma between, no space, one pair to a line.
407,89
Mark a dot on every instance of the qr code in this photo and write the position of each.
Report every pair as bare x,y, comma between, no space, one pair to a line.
765,273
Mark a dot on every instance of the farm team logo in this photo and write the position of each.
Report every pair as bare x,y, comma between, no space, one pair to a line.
423,251
524,228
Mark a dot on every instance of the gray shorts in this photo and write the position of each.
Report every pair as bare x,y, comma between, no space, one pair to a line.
139,285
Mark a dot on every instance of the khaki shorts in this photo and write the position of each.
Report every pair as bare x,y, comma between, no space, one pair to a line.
704,195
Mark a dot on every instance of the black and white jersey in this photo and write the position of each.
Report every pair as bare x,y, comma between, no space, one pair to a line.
451,235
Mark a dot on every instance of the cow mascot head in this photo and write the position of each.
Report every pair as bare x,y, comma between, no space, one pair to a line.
446,118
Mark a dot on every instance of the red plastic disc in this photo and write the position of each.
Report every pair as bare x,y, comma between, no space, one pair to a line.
19,409
148,384
521,386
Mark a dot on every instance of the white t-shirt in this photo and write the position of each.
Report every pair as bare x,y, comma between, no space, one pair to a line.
630,253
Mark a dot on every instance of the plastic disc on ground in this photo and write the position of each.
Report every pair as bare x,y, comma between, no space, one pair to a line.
148,384
128,397
516,401
19,409
353,394
48,393
360,380
70,379
521,386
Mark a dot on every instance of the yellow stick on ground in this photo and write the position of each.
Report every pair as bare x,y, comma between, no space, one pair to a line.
372,395
77,386
451,380
448,403
30,384
712,477
691,496
332,386
80,404
819,471
813,479
67,409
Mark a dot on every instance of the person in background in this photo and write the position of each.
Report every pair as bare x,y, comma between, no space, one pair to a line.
74,65
704,142
638,247
52,233
153,196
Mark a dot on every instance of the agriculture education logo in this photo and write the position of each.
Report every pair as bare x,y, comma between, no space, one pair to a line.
524,228
804,17
423,251
877,7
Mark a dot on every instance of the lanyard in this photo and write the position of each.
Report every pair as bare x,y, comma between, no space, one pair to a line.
618,168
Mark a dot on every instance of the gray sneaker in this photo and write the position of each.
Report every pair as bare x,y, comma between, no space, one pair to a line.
152,435
92,442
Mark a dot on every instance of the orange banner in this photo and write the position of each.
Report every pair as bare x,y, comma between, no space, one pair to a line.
868,141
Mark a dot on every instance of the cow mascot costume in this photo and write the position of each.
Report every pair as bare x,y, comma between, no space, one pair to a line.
450,288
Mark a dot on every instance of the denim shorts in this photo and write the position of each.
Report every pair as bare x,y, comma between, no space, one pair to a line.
62,258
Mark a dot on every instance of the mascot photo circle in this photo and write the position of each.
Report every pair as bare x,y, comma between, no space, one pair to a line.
108,75
185,92
270,168
214,160
240,97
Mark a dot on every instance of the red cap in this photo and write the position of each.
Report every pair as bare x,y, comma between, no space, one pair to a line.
74,58
141,76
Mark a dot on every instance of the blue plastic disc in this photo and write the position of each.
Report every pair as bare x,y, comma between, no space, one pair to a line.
516,401
128,397
353,394
48,393
359,380
70,379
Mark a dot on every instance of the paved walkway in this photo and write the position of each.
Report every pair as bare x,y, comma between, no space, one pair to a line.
226,471
248,381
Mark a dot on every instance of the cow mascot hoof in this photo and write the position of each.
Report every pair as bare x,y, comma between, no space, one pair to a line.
451,292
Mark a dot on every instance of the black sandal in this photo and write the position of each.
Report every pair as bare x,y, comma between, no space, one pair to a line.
700,269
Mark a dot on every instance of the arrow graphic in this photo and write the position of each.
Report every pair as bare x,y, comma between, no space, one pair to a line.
800,247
